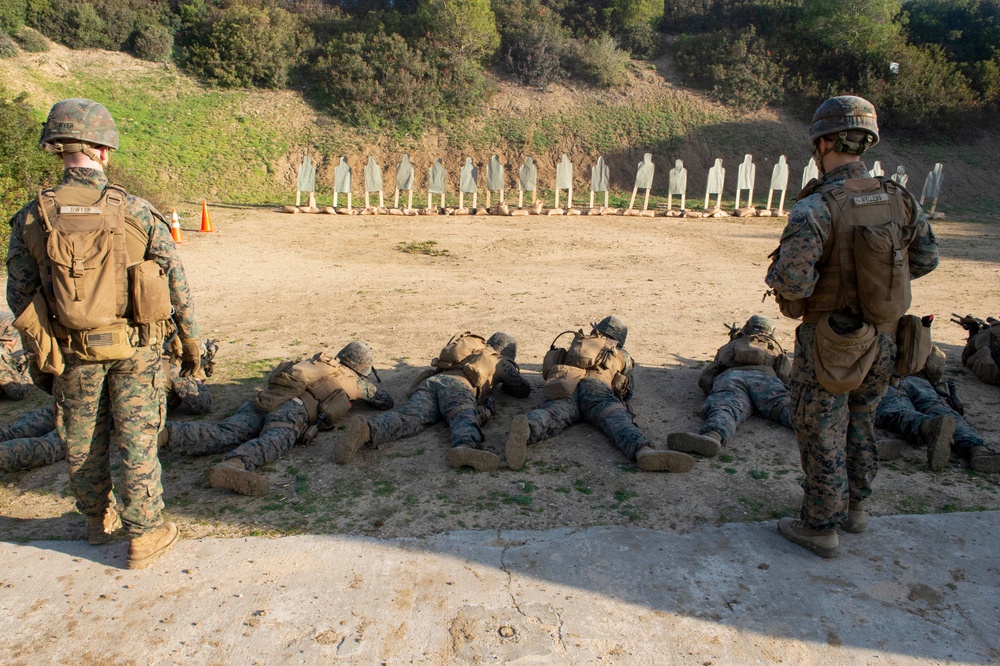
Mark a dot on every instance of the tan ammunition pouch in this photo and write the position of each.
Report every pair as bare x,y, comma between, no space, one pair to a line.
37,336
561,381
865,265
467,355
843,362
751,350
913,342
321,382
150,293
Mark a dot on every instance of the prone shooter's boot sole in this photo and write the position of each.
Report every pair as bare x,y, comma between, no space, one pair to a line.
516,447
233,475
477,459
649,459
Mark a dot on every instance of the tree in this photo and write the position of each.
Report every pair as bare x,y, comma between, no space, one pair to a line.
12,15
466,27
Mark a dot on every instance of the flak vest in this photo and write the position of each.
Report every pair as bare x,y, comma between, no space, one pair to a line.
324,385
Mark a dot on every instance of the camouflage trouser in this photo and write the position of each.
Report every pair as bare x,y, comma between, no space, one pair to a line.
89,395
29,452
835,432
906,407
199,438
35,423
439,396
282,428
594,403
737,393
187,396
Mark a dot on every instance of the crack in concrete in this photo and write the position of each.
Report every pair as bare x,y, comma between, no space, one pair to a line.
510,577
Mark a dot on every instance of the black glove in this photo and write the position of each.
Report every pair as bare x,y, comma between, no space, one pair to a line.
190,357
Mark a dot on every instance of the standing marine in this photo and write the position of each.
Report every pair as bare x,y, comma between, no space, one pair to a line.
93,277
750,374
591,381
851,247
457,387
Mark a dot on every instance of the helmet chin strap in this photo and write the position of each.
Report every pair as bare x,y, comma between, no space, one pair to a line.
65,148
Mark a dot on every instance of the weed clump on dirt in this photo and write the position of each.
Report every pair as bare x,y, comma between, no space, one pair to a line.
422,247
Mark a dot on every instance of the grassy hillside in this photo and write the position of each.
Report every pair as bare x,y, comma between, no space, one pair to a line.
191,142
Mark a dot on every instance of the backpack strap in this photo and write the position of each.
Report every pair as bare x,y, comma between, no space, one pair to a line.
553,345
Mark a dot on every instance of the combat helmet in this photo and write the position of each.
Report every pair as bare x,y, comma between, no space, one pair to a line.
612,327
505,344
358,357
73,122
758,325
838,115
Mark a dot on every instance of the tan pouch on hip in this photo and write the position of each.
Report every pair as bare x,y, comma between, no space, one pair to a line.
843,361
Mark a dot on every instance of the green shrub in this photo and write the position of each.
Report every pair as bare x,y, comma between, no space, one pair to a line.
12,13
8,49
738,69
466,27
240,46
642,41
601,62
153,42
119,21
533,41
375,81
82,28
31,41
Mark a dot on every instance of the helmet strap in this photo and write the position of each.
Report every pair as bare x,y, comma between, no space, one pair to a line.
843,145
61,149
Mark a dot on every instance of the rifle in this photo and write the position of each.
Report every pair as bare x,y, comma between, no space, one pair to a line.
972,324
734,329
20,360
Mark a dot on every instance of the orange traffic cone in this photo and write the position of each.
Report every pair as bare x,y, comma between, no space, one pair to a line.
206,219
175,227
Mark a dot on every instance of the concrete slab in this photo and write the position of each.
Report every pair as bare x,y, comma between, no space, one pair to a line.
913,589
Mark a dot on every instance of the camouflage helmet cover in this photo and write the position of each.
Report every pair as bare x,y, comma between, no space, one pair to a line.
612,327
934,367
505,344
79,120
358,357
758,324
844,113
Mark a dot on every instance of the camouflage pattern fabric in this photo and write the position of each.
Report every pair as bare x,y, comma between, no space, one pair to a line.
593,402
794,274
14,384
441,396
200,438
30,452
981,352
281,430
835,433
737,393
131,393
22,271
188,395
35,423
905,407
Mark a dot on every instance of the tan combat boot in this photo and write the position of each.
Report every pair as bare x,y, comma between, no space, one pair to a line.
983,460
101,528
477,459
356,434
937,434
652,460
232,474
707,445
516,449
146,548
857,517
822,542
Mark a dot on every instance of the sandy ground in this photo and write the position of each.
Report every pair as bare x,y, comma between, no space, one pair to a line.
274,286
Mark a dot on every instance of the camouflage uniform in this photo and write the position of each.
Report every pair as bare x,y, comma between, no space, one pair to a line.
905,407
14,385
132,392
32,441
834,431
252,436
447,395
981,352
735,390
592,401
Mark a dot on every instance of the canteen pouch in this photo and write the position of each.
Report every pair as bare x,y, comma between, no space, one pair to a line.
843,361
332,409
561,381
36,336
150,292
913,341
553,357
116,342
